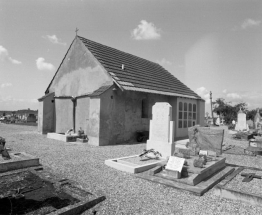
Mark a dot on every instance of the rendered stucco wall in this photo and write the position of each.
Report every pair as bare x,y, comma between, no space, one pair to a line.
82,113
40,117
64,115
93,125
201,112
121,115
46,115
80,73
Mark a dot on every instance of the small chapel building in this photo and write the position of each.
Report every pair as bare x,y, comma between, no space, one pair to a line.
110,94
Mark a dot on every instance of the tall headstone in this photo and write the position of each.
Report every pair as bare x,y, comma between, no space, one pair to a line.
241,121
257,119
161,134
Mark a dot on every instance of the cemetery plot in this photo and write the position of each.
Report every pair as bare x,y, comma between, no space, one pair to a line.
18,160
244,184
191,178
39,192
134,164
63,137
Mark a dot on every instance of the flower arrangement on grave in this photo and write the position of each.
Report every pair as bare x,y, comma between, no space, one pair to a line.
148,153
82,134
201,161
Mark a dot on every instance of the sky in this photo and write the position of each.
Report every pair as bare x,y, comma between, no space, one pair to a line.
210,45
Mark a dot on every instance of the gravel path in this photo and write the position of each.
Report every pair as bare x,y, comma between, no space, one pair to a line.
125,194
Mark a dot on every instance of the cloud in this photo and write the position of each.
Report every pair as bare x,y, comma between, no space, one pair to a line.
54,39
146,31
42,65
250,23
233,96
224,91
5,56
203,92
6,85
163,62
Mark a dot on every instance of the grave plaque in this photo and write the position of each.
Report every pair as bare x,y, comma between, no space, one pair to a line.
203,152
175,163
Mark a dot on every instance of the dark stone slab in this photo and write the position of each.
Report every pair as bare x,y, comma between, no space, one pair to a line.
206,138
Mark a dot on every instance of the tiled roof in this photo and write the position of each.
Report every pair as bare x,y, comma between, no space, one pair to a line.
97,92
138,74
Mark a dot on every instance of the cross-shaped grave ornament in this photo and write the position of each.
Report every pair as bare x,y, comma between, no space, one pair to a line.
249,176
76,31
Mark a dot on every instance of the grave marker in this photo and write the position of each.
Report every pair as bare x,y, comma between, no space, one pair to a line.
241,121
161,134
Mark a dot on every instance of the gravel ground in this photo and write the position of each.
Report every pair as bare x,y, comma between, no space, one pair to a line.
125,194
252,187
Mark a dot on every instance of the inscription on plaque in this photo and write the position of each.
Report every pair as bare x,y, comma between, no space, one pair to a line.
175,163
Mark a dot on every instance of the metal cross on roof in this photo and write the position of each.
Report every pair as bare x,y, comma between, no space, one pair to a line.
76,30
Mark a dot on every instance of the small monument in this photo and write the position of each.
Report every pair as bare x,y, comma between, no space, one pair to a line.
257,119
241,121
161,135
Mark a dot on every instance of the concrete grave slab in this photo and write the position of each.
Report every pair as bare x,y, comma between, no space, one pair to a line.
63,137
199,189
18,160
233,188
132,164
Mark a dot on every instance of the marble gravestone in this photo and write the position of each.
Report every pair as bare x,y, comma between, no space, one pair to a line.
161,134
241,121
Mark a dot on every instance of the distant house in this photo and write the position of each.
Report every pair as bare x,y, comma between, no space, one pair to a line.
27,115
110,94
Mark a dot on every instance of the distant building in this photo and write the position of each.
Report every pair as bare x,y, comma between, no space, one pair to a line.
27,115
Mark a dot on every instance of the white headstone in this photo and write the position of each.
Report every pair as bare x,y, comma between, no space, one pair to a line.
175,163
160,124
161,132
241,121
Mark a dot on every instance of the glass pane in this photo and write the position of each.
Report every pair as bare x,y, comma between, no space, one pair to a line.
180,124
185,106
185,115
180,106
194,123
180,115
194,115
194,107
185,124
189,123
189,116
190,107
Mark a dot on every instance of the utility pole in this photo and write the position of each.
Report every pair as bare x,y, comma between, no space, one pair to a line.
211,107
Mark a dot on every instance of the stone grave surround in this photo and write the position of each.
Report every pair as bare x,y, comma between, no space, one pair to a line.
161,133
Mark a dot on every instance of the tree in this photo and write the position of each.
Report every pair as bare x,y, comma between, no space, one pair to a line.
251,114
227,110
